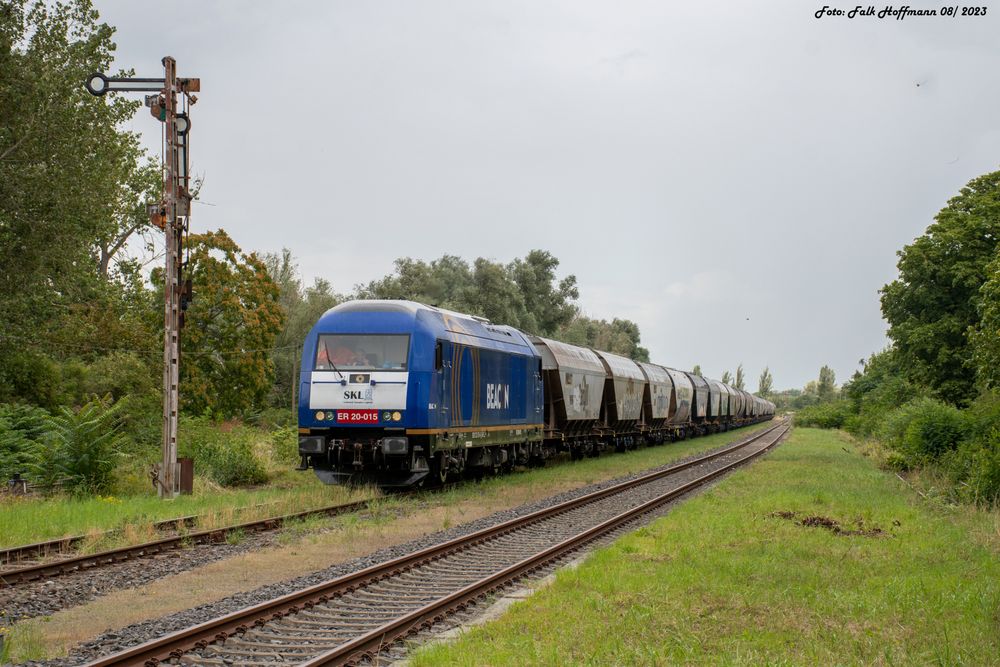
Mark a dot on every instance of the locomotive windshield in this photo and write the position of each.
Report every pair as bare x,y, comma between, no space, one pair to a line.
362,352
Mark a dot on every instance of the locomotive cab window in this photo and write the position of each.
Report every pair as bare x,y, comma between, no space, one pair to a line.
362,352
438,356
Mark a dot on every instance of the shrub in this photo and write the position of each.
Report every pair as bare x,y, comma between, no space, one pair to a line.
274,418
21,427
226,453
831,414
983,483
286,446
82,447
924,429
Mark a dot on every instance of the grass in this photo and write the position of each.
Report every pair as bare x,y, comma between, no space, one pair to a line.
27,520
724,579
310,544
32,519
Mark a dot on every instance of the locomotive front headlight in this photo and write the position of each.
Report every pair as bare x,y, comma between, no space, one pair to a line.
397,416
320,415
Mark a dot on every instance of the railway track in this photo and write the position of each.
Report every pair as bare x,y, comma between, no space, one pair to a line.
11,576
354,617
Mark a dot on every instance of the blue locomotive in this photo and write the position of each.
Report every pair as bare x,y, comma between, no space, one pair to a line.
399,394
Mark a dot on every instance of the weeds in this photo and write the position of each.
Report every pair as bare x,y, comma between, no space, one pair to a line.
235,536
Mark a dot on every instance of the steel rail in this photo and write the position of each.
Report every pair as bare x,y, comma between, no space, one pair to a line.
370,643
174,645
71,564
13,554
63,566
41,549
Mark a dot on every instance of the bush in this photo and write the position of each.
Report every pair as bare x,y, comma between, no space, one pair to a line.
983,483
274,418
224,452
286,446
924,429
21,427
832,414
82,447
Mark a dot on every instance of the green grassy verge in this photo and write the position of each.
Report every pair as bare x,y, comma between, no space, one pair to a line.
725,579
37,519
28,520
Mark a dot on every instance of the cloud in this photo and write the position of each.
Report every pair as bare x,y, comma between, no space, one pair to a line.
704,286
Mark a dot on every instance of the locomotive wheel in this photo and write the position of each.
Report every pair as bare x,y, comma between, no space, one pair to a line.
439,467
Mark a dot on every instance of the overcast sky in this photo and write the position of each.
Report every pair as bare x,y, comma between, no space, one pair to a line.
735,177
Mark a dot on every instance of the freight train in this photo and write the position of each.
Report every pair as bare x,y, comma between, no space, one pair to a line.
400,394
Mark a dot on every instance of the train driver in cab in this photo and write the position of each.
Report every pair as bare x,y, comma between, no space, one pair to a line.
342,355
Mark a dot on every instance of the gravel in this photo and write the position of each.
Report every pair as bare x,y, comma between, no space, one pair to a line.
123,638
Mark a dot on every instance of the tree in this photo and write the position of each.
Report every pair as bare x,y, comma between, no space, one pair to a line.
934,305
826,386
618,336
301,308
70,182
696,370
523,293
740,380
548,305
766,383
727,378
985,337
230,329
443,282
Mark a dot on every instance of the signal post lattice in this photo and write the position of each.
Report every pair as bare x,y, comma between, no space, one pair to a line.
172,215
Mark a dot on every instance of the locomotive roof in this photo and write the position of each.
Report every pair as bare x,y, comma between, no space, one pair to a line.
441,322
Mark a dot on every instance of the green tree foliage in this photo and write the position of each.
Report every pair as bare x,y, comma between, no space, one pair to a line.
21,427
71,183
80,448
523,293
617,336
697,369
831,414
826,385
935,303
881,387
302,307
740,380
548,305
727,378
765,384
985,337
230,329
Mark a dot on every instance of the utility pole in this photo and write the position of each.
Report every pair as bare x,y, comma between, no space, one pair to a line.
172,215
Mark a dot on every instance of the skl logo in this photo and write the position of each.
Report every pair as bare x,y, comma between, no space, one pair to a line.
497,396
358,395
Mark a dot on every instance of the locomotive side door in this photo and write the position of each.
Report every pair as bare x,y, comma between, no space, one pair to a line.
537,381
442,370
